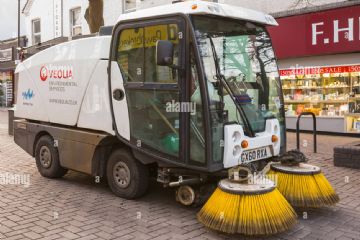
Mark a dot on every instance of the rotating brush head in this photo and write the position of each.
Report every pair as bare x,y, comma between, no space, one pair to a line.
251,209
304,185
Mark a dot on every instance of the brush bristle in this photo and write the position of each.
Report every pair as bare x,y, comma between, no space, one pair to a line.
261,214
306,190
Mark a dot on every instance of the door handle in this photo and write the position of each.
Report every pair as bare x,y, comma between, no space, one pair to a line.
118,94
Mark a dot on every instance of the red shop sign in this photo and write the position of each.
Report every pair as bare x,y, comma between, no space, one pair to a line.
319,70
319,33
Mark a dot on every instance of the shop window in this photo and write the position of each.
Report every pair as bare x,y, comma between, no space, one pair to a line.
75,21
129,5
6,89
36,31
325,94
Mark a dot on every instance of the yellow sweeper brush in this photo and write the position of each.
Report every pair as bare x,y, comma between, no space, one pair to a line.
256,208
304,185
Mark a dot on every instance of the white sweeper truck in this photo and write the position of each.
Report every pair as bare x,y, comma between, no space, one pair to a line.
188,94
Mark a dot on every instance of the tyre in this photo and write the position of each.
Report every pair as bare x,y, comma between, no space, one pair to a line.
47,158
127,177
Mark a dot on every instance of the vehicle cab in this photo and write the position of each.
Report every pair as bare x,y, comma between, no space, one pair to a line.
196,85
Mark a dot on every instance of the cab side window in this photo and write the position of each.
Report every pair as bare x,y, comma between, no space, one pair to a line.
137,53
131,54
154,73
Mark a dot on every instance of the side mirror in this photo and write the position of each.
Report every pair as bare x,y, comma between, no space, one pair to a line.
164,53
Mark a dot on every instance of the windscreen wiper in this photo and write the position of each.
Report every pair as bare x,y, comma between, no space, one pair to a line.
223,82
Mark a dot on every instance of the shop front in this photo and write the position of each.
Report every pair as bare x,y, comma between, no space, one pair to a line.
6,88
7,67
331,93
319,61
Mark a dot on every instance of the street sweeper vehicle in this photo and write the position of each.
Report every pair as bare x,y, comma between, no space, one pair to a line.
188,94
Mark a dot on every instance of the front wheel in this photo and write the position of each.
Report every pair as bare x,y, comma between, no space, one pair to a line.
127,177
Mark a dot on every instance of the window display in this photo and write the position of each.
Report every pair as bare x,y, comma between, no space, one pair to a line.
325,91
6,89
329,92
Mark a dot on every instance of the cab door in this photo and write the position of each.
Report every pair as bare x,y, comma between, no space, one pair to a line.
150,92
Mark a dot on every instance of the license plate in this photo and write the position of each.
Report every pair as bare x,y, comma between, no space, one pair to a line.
255,154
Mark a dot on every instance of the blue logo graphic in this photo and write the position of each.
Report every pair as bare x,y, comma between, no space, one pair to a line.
28,95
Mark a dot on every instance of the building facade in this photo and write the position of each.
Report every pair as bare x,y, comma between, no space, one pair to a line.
47,20
319,59
268,6
8,58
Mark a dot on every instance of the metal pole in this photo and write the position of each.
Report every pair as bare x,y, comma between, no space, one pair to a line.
62,18
17,57
314,133
298,130
298,133
18,40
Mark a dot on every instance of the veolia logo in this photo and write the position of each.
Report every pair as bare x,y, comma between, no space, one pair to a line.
43,73
56,72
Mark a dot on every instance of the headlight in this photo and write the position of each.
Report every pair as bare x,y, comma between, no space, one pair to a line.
236,137
236,151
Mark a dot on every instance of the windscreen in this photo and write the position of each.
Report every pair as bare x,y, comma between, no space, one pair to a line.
240,70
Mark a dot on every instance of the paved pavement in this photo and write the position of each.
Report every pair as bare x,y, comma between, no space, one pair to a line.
3,118
75,207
